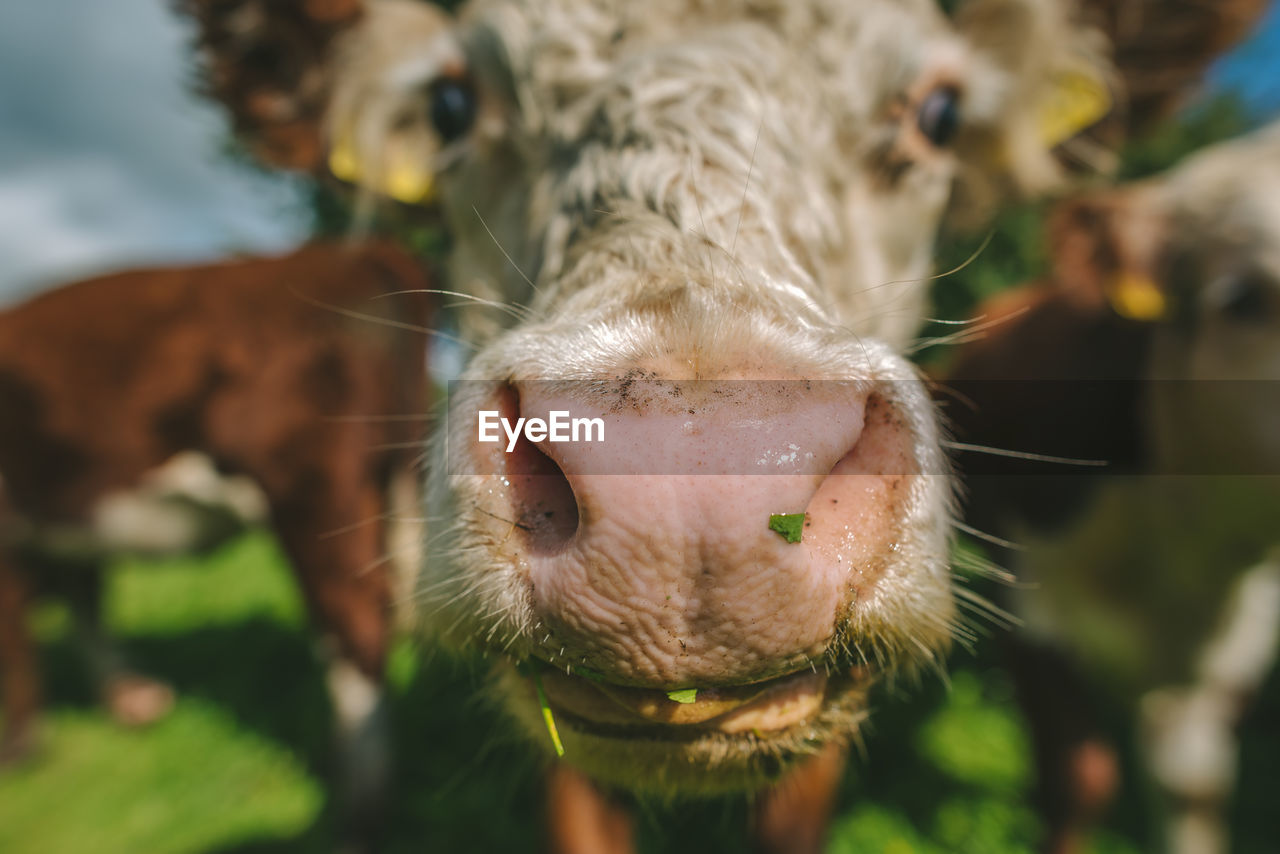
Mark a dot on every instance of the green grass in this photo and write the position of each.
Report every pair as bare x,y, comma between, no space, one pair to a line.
240,765
195,782
223,588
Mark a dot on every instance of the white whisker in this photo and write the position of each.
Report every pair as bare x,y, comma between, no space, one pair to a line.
504,252
742,205
516,310
990,538
1022,455
383,321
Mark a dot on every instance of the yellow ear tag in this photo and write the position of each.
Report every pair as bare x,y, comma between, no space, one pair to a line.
405,180
408,183
1136,297
1079,100
343,163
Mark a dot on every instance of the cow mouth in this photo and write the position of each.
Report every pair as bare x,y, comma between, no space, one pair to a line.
731,738
758,710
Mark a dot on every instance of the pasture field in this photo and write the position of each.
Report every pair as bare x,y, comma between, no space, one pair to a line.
240,764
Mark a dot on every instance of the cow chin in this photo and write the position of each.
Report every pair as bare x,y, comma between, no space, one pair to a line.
640,740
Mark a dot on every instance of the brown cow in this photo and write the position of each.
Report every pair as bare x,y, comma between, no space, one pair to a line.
300,372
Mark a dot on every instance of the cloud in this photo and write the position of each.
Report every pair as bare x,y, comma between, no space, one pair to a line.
107,160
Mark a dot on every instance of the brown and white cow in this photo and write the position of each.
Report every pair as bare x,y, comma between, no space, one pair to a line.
1155,348
708,224
305,374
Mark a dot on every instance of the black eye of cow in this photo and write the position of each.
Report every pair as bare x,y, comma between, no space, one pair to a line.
453,106
1244,297
939,116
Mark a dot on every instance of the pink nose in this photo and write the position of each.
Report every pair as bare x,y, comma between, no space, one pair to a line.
650,542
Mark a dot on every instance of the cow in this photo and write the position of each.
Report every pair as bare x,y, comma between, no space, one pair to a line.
303,375
708,226
1152,349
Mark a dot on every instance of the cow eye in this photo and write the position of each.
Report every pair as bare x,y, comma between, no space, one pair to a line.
1244,297
939,116
453,106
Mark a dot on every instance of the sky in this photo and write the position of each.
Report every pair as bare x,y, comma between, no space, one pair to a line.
107,161
1253,68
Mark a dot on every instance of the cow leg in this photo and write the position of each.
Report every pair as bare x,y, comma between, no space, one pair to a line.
1077,769
131,698
19,666
581,819
362,743
1189,733
1189,747
792,816
334,539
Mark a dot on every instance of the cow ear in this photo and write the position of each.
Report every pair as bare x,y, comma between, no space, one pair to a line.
268,63
402,96
1105,250
1041,90
1163,47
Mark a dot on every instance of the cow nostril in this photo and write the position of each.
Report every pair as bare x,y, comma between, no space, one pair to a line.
546,510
